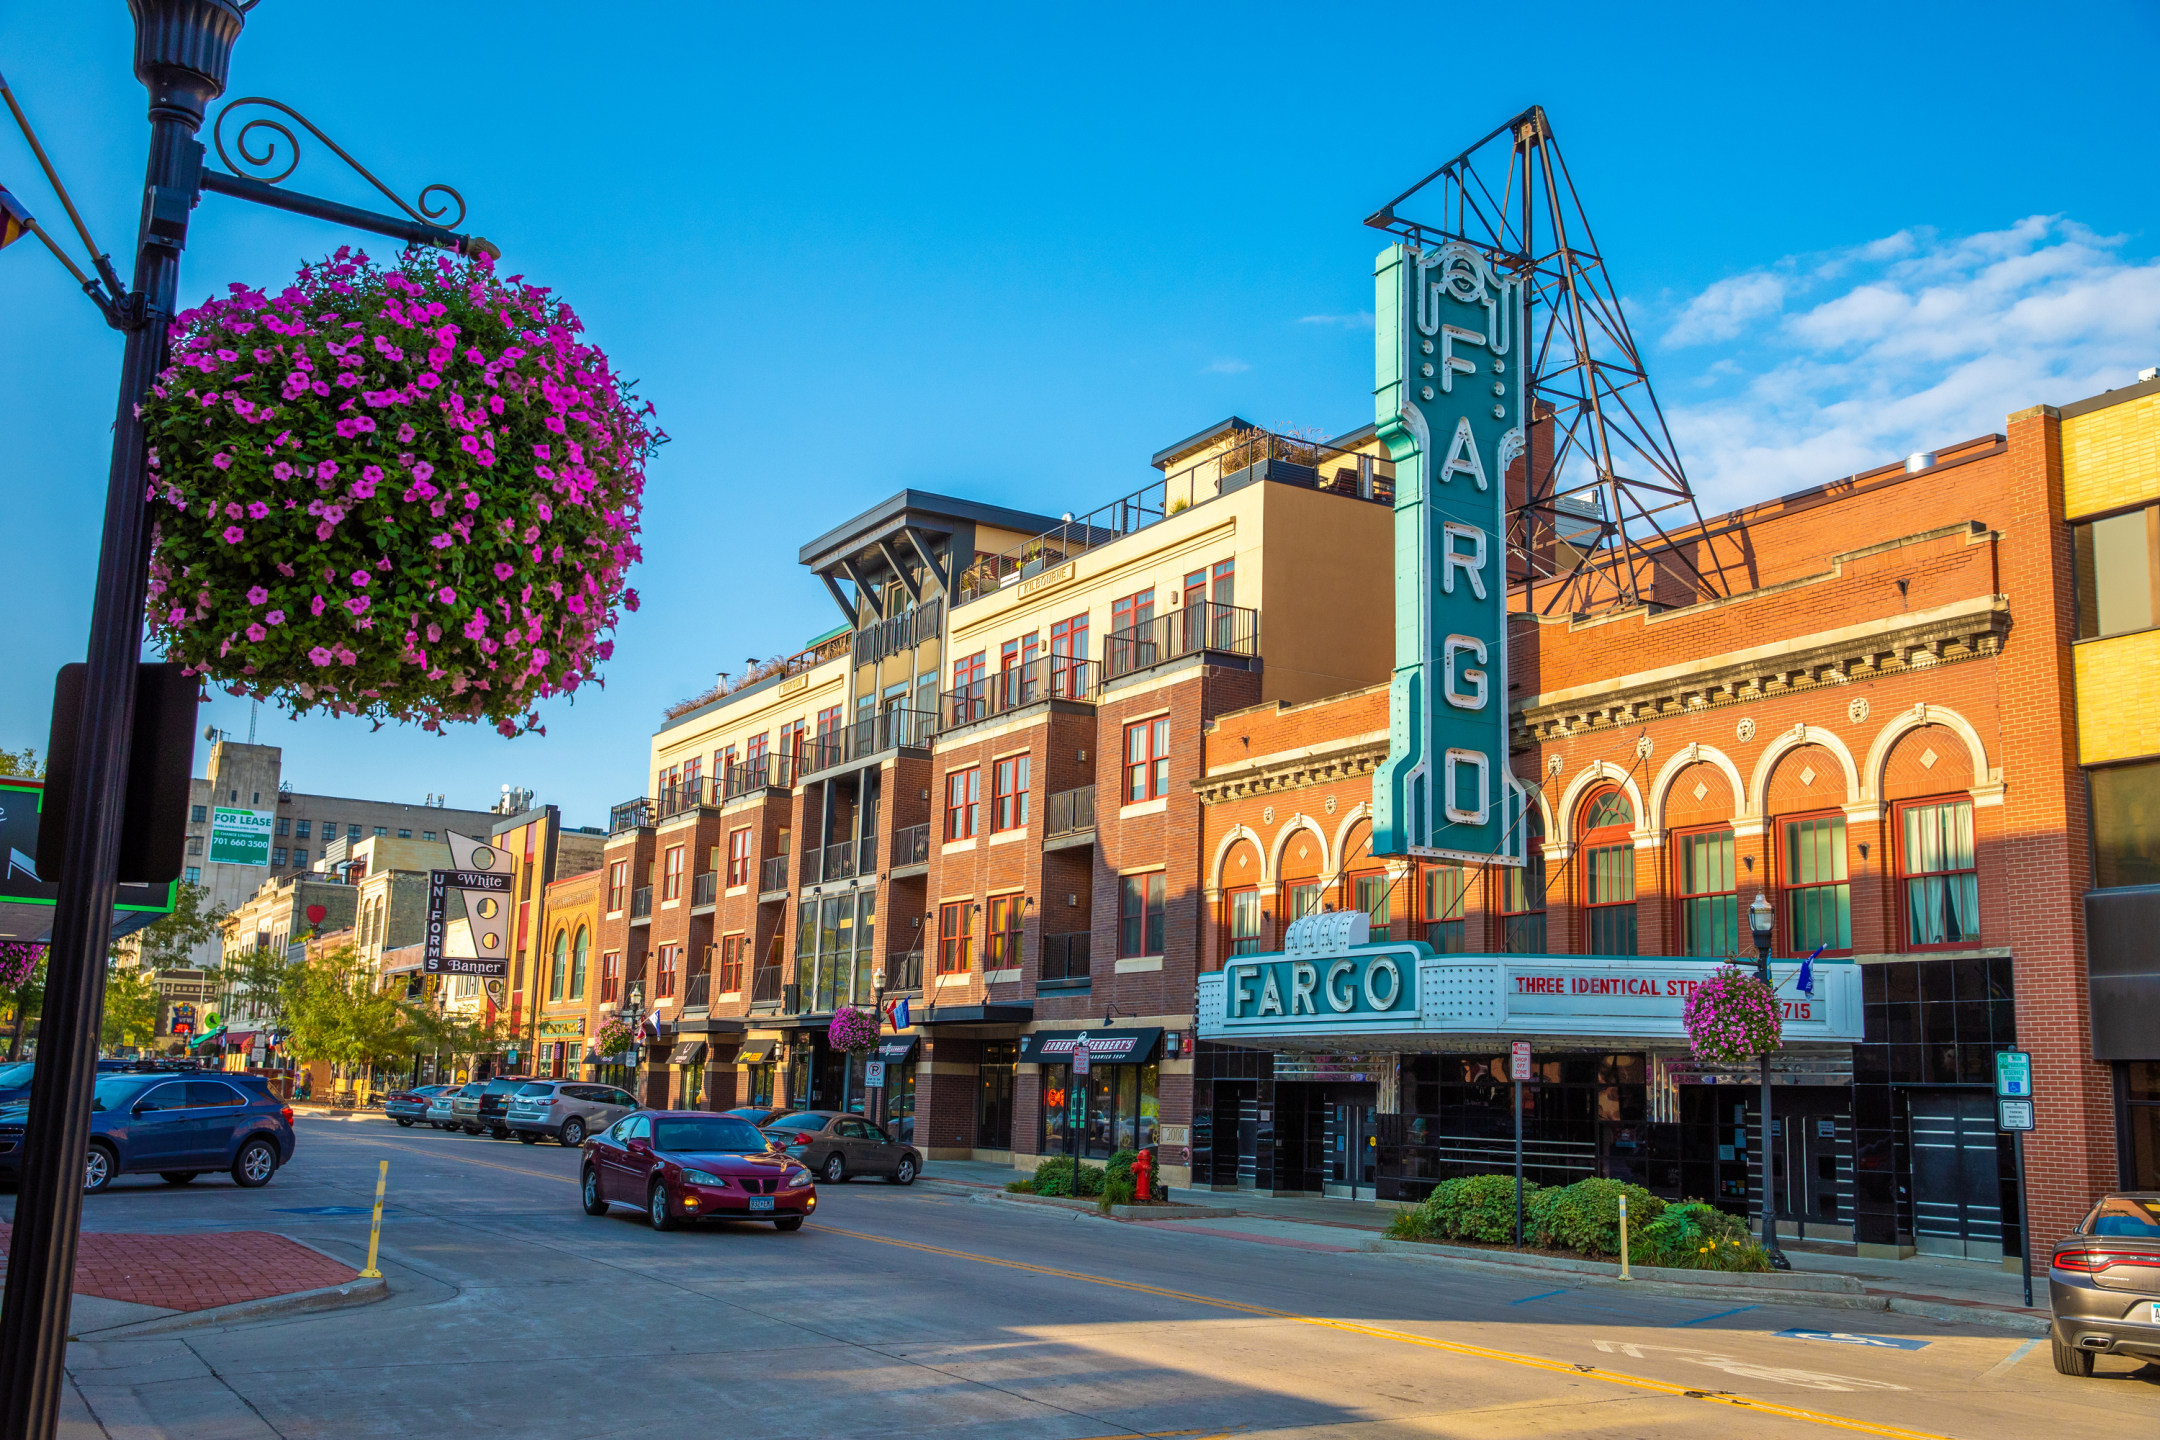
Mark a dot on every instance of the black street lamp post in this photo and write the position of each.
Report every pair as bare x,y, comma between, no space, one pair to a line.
183,49
1762,920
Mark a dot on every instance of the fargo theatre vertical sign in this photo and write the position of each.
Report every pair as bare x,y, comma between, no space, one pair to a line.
1449,399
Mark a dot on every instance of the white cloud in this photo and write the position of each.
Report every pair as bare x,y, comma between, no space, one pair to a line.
1828,364
1362,320
1225,367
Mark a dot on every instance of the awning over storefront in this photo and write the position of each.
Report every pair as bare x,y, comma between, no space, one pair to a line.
1105,1047
895,1050
690,1052
973,1014
757,1052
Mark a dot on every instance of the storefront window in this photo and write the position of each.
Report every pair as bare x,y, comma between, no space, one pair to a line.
2141,1124
761,1085
1709,906
1446,888
1122,1109
1818,901
1370,893
1942,888
1609,875
2126,824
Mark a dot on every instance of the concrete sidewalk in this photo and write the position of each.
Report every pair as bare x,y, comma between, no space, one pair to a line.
1919,1284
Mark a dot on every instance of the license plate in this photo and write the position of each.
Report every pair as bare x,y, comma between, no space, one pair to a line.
761,1202
2150,1317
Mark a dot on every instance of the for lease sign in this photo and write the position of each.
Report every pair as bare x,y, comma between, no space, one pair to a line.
240,837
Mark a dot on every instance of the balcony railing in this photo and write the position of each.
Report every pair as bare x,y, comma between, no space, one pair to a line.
630,815
1071,812
1064,959
917,625
765,987
641,902
839,861
681,797
697,991
1252,455
903,970
893,729
772,874
705,888
911,846
767,772
1189,630
1048,677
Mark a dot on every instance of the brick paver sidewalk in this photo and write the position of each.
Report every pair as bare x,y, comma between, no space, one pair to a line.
195,1272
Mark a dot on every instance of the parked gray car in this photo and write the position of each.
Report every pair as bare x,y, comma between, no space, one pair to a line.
565,1110
837,1147
438,1106
2104,1284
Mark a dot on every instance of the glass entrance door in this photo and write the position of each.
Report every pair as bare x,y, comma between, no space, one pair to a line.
1353,1151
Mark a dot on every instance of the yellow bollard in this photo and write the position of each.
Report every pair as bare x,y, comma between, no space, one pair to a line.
1623,1233
382,1181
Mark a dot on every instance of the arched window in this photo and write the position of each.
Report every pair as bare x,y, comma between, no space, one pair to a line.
1608,851
559,971
577,963
1244,919
1302,861
1522,893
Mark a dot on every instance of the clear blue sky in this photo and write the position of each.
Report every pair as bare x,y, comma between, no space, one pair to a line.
1008,253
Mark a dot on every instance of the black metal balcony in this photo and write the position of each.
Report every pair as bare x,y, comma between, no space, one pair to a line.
894,729
839,861
1047,677
1202,626
697,991
683,797
705,888
1072,812
630,815
911,846
772,874
641,902
766,772
1064,961
903,971
765,988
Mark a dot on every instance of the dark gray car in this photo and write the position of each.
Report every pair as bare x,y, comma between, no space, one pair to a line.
2104,1284
837,1147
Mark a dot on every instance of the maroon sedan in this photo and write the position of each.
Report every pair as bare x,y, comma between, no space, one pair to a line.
685,1165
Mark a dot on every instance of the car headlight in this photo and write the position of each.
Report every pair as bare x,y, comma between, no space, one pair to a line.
798,1179
702,1177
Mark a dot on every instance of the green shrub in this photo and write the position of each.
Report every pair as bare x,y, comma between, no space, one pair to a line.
1020,1187
1472,1207
1696,1235
1585,1217
1116,1191
1055,1177
1119,1165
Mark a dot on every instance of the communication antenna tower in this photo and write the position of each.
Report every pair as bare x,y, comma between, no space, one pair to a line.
1591,528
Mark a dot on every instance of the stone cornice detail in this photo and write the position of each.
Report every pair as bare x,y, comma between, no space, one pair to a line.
1318,766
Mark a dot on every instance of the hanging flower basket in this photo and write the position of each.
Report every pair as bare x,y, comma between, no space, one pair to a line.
852,1030
18,958
407,493
1732,1018
613,1038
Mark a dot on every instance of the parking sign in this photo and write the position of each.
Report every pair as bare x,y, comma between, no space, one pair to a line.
2013,1075
1519,1061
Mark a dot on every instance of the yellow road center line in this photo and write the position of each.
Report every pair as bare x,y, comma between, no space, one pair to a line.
1452,1347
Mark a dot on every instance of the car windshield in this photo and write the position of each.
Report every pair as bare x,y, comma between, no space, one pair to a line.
708,1132
119,1092
537,1089
2127,1218
15,1075
802,1121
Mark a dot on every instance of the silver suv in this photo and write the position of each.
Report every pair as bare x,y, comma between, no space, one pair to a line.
565,1110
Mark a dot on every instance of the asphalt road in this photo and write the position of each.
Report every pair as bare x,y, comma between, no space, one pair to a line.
902,1312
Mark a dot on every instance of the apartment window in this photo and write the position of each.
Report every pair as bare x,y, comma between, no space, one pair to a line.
723,760
731,964
1609,874
424,834
671,874
1371,893
194,845
664,973
277,856
2126,824
2117,562
1020,652
1140,915
1709,895
1132,612
1001,941
610,976
791,739
579,949
194,874
559,969
404,834
382,831
201,814
1300,898
1447,887
329,831
618,885
956,938
963,802
738,857
299,857
967,674
1068,650
300,827
828,720
352,832
1940,884
1147,760
284,825
1248,923
756,751
1009,793
1818,899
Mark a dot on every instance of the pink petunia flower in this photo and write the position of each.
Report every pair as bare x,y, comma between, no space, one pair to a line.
256,595
319,655
257,634
233,535
275,617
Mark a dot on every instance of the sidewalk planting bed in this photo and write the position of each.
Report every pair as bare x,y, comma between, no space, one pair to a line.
196,1272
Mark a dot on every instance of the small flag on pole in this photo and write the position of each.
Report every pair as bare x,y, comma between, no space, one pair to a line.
15,222
900,1014
1806,983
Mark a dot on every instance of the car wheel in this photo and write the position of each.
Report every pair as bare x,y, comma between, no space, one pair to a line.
403,1123
2070,1360
835,1169
177,1177
788,1222
594,1205
255,1164
656,1208
98,1168
573,1132
528,1137
501,1132
904,1172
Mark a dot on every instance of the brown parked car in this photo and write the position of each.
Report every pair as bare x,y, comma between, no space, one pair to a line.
837,1146
2104,1284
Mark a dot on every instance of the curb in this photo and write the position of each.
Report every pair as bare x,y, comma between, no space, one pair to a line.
1119,1212
1954,1313
302,1302
1692,1289
1796,1282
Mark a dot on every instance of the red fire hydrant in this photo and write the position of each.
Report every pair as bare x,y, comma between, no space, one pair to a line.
1143,1174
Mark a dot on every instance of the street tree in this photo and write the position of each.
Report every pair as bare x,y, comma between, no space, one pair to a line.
166,943
132,1007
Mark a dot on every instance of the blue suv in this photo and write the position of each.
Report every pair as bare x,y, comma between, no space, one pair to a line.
173,1126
